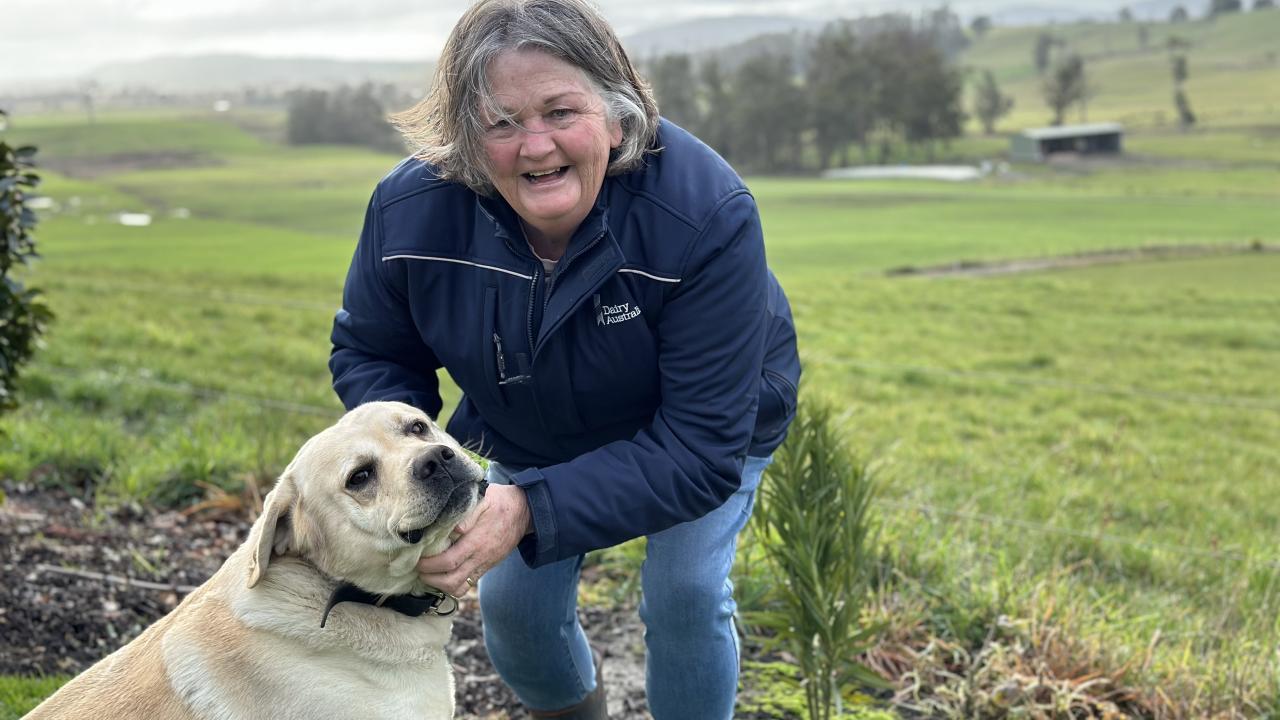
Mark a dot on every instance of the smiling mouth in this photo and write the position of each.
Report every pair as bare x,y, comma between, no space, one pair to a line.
545,175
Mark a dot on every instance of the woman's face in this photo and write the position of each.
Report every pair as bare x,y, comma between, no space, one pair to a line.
548,165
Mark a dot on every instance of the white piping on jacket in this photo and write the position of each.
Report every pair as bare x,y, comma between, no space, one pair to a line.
512,272
460,262
651,277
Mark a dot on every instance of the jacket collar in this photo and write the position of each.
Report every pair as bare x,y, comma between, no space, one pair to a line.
507,222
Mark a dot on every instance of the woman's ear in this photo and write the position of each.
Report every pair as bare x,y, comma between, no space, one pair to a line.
615,133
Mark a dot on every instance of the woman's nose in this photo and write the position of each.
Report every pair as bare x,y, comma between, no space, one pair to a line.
536,141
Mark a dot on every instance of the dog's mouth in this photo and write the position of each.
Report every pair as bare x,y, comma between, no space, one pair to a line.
413,537
460,500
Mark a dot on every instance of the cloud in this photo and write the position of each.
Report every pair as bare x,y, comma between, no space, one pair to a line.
69,37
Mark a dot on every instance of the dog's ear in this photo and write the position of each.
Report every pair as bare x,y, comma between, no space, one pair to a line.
274,530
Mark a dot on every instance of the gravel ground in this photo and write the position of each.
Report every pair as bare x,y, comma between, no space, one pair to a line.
57,618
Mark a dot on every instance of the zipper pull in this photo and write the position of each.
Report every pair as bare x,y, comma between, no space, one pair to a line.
502,360
595,300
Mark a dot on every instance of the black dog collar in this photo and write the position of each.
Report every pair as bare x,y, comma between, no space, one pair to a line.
409,605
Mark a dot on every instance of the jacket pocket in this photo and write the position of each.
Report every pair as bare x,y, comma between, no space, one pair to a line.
777,403
495,354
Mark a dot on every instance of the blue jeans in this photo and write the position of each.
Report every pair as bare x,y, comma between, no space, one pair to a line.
532,633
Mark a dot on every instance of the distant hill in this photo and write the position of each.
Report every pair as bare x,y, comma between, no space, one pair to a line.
1045,14
704,34
1041,15
213,73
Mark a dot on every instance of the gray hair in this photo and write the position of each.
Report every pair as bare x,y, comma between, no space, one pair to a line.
447,127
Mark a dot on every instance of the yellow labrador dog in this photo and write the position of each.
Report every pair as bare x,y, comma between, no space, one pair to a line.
320,614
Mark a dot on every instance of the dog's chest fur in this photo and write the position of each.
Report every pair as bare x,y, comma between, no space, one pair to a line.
366,663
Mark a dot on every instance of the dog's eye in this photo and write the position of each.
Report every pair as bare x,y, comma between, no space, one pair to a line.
417,427
359,478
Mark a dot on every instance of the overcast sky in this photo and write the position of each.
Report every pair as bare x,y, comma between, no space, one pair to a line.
56,38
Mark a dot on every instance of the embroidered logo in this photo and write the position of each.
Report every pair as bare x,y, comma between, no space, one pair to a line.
614,314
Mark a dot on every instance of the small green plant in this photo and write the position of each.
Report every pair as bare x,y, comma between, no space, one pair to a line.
814,523
23,316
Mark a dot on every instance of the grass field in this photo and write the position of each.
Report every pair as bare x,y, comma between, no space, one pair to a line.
1093,450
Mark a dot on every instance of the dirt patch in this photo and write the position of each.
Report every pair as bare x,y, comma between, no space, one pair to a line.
90,167
58,614
979,268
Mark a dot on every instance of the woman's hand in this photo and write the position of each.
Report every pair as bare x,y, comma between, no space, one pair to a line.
487,536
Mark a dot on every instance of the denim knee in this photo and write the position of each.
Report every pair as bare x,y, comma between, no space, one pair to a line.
688,605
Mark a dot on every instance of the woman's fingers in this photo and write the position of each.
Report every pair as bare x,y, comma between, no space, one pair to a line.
486,537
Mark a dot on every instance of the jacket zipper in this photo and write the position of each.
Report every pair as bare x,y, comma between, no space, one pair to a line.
551,282
533,298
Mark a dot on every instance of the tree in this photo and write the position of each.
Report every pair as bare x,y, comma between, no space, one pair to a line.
934,91
1043,51
980,25
889,54
1224,7
769,113
23,315
716,127
1263,5
989,103
675,90
839,85
816,525
945,31
1126,15
1181,71
1179,15
1065,86
346,116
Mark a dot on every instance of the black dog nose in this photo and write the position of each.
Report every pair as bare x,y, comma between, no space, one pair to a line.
431,462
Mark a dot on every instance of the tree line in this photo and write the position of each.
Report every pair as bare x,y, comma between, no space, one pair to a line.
858,86
344,116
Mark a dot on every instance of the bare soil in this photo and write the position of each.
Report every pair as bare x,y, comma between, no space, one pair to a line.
978,268
59,616
90,167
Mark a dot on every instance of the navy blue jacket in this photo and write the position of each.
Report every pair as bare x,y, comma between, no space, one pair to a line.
631,384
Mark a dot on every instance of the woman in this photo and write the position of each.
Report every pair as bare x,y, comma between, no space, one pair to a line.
594,280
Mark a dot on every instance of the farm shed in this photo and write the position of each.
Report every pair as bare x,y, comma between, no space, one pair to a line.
1036,144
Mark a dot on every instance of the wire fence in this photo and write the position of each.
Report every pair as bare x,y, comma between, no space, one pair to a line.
989,377
1098,389
1088,388
1039,528
264,403
1149,546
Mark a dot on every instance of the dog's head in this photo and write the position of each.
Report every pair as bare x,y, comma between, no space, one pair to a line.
366,498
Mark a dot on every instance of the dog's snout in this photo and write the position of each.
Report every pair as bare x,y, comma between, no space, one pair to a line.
432,462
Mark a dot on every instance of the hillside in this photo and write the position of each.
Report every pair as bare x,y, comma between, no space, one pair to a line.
710,34
1234,70
213,73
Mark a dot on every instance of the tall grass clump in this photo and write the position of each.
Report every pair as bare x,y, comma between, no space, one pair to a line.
813,520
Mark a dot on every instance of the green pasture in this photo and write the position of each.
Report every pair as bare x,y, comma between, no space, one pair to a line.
1234,70
1094,447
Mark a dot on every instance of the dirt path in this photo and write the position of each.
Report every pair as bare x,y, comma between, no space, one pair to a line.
977,268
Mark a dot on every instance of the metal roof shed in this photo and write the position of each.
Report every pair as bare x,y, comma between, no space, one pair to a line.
1035,144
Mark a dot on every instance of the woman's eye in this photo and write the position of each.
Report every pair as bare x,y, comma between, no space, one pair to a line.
359,479
561,115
